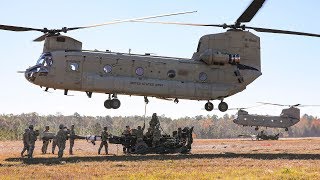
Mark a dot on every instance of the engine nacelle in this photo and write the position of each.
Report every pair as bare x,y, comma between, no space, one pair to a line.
214,57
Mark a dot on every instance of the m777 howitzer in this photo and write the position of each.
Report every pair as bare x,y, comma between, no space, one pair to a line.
177,143
166,145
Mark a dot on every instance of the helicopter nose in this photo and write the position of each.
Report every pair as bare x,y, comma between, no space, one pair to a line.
29,75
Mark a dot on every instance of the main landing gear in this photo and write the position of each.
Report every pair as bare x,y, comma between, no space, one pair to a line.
223,106
113,102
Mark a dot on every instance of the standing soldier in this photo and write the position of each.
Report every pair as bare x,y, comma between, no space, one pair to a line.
139,132
126,133
54,144
104,140
156,137
45,141
25,142
31,139
72,138
62,137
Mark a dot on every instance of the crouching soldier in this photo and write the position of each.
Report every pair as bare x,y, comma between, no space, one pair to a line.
104,140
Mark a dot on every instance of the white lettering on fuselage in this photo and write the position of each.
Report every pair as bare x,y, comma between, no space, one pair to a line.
146,84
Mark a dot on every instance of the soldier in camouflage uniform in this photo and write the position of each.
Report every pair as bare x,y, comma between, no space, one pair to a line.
72,138
104,140
25,142
154,121
139,132
45,141
156,137
62,137
31,140
54,144
126,133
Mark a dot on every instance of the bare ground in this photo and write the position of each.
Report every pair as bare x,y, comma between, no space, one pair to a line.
210,159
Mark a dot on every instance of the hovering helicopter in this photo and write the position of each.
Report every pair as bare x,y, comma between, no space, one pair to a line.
223,65
288,117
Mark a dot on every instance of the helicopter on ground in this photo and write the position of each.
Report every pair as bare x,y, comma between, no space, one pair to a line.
223,65
288,117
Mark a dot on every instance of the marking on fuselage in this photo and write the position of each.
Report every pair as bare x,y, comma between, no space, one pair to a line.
146,84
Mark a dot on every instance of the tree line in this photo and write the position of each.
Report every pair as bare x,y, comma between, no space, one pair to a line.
205,127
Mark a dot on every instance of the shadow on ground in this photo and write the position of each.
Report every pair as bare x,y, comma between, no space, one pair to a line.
76,159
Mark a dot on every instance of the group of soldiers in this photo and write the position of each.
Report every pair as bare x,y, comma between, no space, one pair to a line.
152,138
30,137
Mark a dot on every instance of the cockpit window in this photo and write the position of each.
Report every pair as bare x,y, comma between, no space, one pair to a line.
45,60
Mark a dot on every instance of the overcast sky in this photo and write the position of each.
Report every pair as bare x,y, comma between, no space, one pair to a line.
290,64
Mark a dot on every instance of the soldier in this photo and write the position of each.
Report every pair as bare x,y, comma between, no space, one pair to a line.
139,132
25,142
104,140
72,138
31,140
45,141
126,133
54,144
62,137
179,133
149,133
156,137
154,121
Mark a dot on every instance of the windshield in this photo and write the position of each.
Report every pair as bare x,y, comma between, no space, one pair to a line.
45,60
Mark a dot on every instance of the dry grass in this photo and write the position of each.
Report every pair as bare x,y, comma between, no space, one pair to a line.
210,159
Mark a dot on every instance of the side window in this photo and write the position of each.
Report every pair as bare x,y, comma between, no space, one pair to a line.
73,66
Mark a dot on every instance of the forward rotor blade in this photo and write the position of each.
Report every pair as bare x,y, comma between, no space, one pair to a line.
251,11
134,19
18,28
272,104
179,23
246,107
282,31
21,71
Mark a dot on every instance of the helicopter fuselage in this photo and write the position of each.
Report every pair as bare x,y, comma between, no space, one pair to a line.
211,74
288,118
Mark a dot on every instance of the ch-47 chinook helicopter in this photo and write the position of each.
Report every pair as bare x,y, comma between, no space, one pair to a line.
288,117
215,71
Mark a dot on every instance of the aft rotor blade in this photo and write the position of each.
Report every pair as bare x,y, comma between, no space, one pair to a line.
250,12
134,19
309,105
180,23
18,28
282,31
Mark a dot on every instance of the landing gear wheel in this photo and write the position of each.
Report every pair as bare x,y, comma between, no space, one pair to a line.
286,129
107,104
115,103
223,107
208,106
257,128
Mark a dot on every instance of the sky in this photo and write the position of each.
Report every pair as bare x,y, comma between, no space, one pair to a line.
290,64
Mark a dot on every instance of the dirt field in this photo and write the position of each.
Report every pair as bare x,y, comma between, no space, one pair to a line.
210,159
